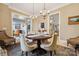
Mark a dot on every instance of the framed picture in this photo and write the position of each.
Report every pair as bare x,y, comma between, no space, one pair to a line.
42,25
74,20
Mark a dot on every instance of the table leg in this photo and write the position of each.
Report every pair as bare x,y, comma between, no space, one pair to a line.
39,51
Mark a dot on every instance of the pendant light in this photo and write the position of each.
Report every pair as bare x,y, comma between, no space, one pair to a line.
33,16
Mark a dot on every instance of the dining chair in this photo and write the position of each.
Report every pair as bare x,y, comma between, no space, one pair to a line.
25,47
7,39
51,44
73,43
3,49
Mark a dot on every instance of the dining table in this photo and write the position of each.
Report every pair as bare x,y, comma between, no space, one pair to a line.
39,51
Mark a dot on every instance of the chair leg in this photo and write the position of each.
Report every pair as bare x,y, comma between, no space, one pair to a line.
26,53
14,42
22,53
50,53
76,52
54,52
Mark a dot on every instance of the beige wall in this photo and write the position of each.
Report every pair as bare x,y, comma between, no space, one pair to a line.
34,25
5,18
68,31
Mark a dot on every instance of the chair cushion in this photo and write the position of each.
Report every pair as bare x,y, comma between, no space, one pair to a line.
2,36
8,41
73,41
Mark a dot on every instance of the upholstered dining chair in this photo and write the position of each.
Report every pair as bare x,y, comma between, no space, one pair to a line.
25,47
73,43
7,39
51,44
3,50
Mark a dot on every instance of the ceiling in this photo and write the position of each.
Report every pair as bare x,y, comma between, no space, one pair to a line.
28,7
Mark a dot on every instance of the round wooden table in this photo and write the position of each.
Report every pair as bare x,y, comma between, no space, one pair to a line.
38,51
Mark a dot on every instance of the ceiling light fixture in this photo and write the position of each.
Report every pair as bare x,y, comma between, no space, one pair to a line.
44,12
33,16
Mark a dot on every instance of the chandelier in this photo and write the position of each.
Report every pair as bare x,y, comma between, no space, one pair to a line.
44,12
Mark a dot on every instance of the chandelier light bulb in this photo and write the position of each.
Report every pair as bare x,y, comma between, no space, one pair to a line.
33,17
48,11
41,12
44,12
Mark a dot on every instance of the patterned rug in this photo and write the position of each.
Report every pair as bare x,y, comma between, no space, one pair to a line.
64,51
61,51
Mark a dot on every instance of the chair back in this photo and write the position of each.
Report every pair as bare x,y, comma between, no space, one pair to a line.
23,43
54,43
3,35
51,39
